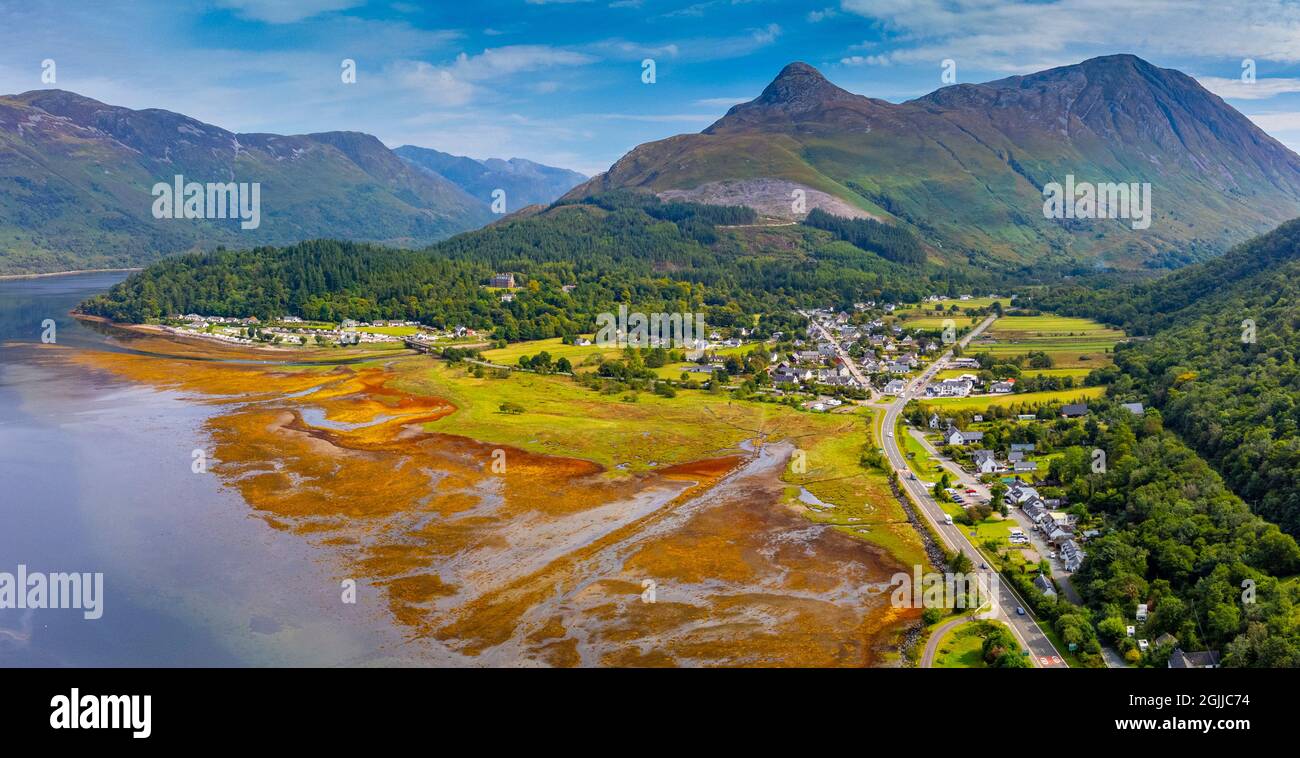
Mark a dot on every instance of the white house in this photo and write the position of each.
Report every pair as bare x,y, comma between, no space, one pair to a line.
984,462
954,436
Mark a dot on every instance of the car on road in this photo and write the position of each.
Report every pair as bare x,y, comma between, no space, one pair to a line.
1020,611
947,519
971,492
984,566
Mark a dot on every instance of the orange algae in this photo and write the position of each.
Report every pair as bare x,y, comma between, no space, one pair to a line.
547,561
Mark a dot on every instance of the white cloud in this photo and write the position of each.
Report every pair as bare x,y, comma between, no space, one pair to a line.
1260,89
285,11
725,102
1277,122
437,84
821,15
514,59
865,60
767,35
457,83
627,50
1021,36
693,118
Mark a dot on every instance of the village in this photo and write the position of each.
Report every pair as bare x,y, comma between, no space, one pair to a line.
293,331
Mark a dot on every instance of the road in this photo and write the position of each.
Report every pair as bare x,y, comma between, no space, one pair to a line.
1025,627
841,353
932,645
969,481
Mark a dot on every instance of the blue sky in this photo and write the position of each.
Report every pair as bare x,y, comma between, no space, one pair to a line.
559,81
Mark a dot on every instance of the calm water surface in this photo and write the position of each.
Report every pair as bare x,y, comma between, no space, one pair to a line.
95,476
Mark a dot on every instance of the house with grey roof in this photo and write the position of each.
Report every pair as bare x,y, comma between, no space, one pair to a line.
1203,659
1071,555
1074,410
984,461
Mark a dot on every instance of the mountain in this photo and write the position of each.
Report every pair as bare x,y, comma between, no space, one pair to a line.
1221,362
966,166
573,260
76,177
525,182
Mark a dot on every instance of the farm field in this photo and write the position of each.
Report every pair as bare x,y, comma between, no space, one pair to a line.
1076,343
960,321
509,355
394,331
1027,399
1078,374
946,303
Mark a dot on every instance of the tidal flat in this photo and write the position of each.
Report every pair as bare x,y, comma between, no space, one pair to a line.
588,530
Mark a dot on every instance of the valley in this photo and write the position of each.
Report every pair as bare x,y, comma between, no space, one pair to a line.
999,374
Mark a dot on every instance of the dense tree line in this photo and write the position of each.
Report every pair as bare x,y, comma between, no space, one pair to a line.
1221,362
895,243
572,262
1173,537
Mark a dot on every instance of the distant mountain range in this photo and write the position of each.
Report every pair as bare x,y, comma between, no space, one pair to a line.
965,167
76,178
523,181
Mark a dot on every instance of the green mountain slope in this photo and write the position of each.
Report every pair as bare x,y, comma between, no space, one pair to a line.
1221,362
76,178
966,165
621,248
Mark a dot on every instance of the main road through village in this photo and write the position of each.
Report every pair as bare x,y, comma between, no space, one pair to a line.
1025,627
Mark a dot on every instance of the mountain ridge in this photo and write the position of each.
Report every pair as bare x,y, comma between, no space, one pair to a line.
76,177
965,166
525,182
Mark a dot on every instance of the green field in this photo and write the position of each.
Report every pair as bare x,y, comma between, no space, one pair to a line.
946,303
864,505
960,321
509,355
395,331
1075,373
563,418
1028,399
1073,343
962,646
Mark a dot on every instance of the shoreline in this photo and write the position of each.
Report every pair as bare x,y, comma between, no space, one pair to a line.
7,277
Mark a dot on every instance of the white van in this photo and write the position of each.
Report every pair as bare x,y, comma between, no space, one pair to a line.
947,519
